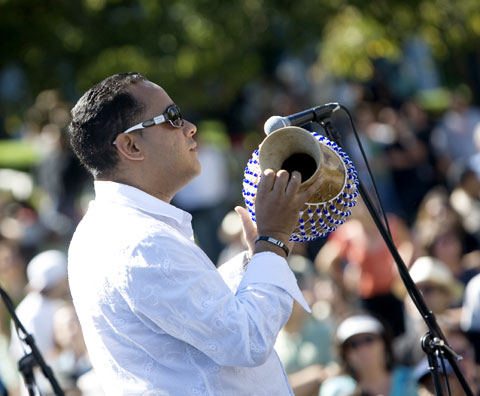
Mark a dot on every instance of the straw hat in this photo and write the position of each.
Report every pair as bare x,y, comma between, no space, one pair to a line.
431,270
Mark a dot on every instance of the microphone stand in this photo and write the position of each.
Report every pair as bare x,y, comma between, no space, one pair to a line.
27,363
434,342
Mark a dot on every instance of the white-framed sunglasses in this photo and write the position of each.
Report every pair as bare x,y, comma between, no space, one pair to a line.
172,115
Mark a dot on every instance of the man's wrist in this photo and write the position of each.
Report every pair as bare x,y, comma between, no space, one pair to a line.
268,243
263,246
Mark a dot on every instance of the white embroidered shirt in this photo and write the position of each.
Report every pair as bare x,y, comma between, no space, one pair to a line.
157,316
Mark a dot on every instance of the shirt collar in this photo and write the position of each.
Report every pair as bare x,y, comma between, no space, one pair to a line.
131,196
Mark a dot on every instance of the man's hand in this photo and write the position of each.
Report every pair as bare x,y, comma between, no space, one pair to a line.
277,207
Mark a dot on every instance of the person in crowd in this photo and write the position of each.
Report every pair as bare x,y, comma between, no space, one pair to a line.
157,316
375,139
439,233
441,292
453,137
12,280
359,259
426,386
230,233
47,290
407,157
12,270
459,343
447,245
364,351
435,209
465,196
303,343
58,175
421,124
71,360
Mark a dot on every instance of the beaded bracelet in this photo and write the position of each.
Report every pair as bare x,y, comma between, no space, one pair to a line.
275,242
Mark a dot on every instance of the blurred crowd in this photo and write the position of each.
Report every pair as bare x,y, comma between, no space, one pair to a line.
363,337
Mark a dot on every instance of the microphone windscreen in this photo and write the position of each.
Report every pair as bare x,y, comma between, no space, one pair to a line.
274,123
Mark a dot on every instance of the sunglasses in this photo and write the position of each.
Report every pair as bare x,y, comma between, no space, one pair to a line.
430,289
359,341
172,115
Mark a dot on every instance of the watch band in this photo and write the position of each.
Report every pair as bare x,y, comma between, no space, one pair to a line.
275,242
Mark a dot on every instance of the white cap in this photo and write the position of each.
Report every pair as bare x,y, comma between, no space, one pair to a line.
46,270
431,270
358,324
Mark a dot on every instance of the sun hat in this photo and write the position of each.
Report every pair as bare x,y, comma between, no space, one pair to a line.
428,269
46,270
358,324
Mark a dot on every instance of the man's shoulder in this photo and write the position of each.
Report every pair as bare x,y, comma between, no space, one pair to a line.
112,219
122,230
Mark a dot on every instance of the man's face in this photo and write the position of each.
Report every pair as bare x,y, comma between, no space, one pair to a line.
169,152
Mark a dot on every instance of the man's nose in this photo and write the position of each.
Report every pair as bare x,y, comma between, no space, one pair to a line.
189,129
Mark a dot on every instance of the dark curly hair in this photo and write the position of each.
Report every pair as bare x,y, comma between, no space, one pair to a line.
104,111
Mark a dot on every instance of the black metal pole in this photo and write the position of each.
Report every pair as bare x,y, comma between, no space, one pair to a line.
428,347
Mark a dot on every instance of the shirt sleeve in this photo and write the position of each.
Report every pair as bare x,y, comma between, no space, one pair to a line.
270,268
233,270
173,288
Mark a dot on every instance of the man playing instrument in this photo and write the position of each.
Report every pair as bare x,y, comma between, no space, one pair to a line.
157,316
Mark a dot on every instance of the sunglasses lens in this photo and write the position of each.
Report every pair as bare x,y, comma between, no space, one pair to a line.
174,116
362,341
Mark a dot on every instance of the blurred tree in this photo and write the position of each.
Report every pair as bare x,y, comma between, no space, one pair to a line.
360,32
204,51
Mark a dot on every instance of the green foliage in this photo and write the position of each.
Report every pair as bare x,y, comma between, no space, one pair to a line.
18,154
352,41
362,32
204,51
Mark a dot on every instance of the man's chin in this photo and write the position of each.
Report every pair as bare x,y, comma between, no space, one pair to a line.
198,169
195,172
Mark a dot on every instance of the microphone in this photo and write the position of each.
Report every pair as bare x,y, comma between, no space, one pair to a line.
314,114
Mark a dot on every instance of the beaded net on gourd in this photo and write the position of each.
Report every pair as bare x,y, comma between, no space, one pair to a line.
316,219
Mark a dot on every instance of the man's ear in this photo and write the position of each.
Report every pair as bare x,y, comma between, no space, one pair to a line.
128,146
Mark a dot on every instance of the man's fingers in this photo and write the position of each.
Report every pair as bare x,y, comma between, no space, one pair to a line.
247,223
249,228
281,181
266,182
294,183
